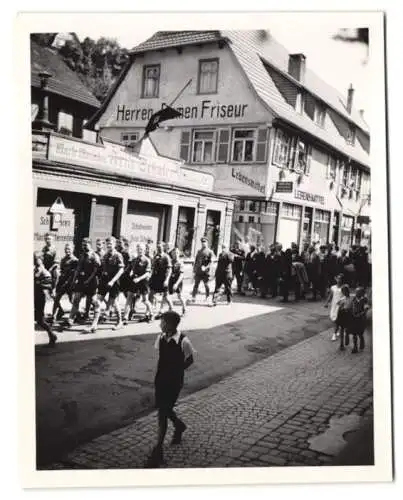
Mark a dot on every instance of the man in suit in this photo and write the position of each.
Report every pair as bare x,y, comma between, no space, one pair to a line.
223,274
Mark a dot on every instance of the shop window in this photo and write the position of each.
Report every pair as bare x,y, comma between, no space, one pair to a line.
243,146
241,218
213,218
203,146
281,151
291,211
251,219
208,76
185,230
252,206
331,168
321,226
129,139
65,123
151,80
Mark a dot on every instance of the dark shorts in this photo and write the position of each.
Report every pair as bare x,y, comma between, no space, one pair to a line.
63,286
171,284
104,289
343,319
157,285
357,326
88,290
39,304
141,288
125,283
166,396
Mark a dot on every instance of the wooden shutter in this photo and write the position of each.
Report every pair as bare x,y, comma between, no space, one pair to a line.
185,145
223,145
308,160
261,146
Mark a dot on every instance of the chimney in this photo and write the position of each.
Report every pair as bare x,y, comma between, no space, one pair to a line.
296,66
350,95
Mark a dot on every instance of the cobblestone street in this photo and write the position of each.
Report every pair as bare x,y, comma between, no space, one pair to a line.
264,415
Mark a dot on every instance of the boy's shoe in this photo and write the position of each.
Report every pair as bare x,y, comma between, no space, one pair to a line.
155,459
342,348
125,321
158,316
52,339
334,338
90,329
179,430
354,351
338,334
119,326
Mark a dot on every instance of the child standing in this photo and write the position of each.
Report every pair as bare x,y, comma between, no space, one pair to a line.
175,356
343,316
359,308
334,297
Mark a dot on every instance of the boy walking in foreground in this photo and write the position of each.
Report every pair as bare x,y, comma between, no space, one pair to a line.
175,356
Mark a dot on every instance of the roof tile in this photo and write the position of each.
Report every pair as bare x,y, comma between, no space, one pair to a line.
64,81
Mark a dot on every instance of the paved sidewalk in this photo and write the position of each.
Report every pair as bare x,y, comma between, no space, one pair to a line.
264,415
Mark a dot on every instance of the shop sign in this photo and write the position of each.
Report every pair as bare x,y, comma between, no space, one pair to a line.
115,159
140,228
284,187
313,198
254,184
60,226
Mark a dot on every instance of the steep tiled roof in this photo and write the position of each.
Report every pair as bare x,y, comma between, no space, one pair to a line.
248,51
64,81
165,39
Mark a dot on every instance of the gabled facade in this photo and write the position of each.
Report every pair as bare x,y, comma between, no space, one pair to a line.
291,149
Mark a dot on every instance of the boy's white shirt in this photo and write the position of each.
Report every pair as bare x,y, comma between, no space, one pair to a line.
187,348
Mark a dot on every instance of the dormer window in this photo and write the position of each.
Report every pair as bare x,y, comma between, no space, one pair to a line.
129,139
320,113
299,103
351,133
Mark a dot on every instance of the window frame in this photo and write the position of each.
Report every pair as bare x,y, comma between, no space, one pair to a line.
308,152
62,126
277,146
199,73
351,135
145,68
243,139
129,142
213,149
336,165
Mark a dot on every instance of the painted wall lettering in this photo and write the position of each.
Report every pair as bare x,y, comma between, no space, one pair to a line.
204,110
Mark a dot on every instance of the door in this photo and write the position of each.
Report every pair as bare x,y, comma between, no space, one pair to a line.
288,232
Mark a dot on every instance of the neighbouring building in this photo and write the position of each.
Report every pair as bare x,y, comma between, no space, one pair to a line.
291,150
84,187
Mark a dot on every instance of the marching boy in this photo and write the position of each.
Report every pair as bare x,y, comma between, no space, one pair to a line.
175,356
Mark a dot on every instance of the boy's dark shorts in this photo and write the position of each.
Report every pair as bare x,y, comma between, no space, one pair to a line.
166,397
140,288
125,283
88,290
104,289
157,286
171,283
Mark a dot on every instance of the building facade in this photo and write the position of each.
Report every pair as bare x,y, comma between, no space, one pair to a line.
293,152
85,187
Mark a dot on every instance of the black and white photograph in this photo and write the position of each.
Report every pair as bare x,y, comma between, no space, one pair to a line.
208,200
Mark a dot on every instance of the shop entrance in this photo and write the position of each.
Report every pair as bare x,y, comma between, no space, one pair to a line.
289,225
72,226
213,229
104,218
145,222
307,225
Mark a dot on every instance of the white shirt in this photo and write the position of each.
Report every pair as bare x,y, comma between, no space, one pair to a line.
187,348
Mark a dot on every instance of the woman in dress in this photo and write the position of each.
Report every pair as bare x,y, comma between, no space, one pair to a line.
333,298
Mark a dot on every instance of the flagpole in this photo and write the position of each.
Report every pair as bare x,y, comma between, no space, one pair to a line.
171,104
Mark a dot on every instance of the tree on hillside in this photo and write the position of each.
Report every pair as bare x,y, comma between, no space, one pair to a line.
97,63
